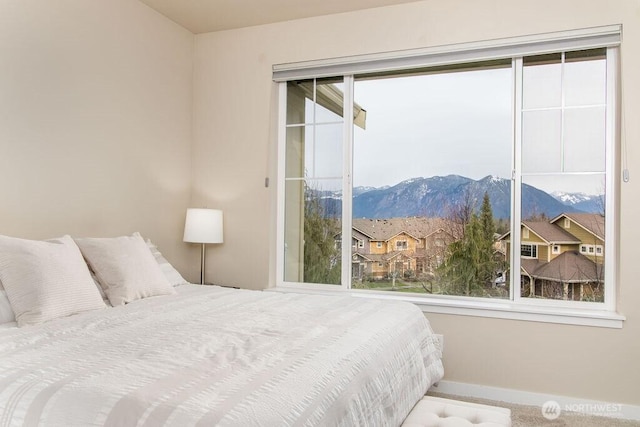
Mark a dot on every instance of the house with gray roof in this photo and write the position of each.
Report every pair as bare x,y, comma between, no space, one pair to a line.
562,258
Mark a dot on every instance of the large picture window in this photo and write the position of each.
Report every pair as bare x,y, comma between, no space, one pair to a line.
439,170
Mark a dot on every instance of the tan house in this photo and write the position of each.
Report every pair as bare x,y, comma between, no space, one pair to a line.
401,246
562,258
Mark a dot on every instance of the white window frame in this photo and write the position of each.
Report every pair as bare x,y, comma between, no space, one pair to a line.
534,250
378,245
577,313
555,249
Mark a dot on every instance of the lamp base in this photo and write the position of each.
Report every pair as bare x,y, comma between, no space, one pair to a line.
202,258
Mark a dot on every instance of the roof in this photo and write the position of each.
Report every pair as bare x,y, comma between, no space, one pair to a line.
568,267
551,233
593,223
385,257
385,229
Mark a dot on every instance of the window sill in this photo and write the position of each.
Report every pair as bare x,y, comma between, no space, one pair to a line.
490,308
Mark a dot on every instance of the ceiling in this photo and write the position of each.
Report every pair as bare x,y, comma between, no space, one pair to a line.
203,16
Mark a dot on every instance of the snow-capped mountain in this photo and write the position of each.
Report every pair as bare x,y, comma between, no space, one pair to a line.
581,201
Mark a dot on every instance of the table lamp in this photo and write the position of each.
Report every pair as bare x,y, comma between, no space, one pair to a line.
203,226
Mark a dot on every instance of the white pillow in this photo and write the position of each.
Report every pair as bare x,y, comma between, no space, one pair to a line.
45,280
6,312
172,275
125,268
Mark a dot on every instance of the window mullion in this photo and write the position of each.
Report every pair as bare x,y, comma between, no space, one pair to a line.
347,153
611,135
280,182
516,181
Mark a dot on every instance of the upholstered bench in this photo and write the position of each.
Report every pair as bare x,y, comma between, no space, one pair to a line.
438,412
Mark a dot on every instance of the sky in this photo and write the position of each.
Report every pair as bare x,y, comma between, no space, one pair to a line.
433,125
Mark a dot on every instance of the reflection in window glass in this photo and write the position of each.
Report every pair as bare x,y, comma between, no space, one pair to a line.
570,166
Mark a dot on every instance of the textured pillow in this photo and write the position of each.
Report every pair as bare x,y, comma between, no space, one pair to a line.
6,312
125,268
45,280
172,275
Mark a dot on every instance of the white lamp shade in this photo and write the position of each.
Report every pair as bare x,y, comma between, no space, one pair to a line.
203,226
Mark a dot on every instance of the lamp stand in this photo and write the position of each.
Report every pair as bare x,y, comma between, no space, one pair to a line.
202,257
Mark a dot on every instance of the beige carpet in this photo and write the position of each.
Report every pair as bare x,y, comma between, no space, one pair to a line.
531,416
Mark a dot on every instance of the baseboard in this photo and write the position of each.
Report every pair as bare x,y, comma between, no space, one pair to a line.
589,407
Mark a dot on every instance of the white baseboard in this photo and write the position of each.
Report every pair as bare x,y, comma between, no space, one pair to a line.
572,404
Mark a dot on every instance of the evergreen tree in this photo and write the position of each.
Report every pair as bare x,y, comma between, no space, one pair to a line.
487,230
470,266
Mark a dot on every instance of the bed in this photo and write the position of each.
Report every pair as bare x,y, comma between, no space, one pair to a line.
207,355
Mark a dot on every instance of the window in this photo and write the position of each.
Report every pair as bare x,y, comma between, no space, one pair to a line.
529,251
483,147
361,243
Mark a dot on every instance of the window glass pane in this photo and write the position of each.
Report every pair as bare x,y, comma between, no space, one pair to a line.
585,78
567,210
541,138
330,102
313,212
315,101
542,78
431,183
313,149
326,161
297,97
584,136
295,151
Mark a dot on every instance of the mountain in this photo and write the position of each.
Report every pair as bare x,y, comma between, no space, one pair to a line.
581,201
437,196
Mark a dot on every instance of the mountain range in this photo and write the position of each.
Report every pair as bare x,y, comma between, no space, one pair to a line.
437,196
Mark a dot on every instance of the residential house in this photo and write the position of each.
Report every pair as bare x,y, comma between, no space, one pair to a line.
562,258
401,246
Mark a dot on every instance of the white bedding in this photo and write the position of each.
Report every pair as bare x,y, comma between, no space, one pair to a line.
215,356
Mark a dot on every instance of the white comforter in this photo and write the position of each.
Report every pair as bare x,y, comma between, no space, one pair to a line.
213,356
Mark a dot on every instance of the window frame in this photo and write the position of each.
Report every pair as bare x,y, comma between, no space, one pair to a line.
570,312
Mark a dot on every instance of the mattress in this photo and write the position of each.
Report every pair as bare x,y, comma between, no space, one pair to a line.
217,356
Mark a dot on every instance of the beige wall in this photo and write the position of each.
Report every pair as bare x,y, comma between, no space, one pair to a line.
95,122
234,150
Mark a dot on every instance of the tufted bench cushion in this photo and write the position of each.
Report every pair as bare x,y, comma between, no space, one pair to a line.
438,412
